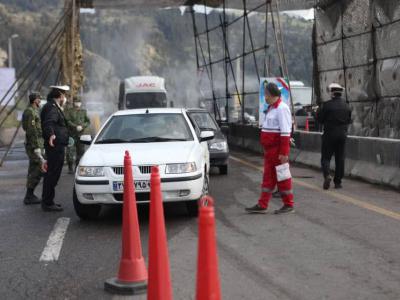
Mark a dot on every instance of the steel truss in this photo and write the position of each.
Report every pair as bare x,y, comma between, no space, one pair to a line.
205,62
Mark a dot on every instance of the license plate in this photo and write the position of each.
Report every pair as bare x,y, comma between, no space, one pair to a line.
140,186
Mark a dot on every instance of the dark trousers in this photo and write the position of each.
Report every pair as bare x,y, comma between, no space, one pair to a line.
55,162
333,144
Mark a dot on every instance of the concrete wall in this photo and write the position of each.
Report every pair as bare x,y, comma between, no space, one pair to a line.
375,160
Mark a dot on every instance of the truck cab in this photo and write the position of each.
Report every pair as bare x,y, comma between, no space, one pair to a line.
142,92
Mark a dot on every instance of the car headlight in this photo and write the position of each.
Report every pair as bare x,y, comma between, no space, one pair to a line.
91,171
180,168
220,146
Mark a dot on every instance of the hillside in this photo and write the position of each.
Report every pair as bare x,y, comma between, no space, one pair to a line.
160,42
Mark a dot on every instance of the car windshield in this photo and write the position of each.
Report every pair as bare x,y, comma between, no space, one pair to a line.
144,100
203,120
145,128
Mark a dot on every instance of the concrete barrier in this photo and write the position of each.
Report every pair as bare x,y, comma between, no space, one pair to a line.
375,160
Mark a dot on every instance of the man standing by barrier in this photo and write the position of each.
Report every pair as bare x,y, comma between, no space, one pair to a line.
78,122
335,115
275,139
55,135
34,147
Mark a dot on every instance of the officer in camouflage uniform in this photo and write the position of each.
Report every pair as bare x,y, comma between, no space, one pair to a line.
34,147
78,123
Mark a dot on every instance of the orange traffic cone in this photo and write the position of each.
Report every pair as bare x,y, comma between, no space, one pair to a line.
208,286
307,126
132,275
159,287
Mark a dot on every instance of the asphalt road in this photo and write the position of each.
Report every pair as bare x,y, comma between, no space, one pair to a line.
341,244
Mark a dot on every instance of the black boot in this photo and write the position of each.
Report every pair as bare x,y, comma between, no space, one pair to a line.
70,169
30,198
327,182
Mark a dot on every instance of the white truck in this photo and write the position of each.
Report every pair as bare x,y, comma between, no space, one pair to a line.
142,92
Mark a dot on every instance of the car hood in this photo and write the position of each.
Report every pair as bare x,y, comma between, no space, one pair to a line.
141,154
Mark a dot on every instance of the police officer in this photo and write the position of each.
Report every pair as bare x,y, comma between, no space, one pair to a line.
275,139
55,135
78,122
33,147
335,116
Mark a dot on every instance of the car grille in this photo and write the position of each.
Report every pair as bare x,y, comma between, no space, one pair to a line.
139,197
142,169
118,170
145,169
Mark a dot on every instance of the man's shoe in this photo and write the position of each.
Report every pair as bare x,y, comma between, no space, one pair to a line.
52,207
327,182
256,209
284,209
28,200
338,185
30,197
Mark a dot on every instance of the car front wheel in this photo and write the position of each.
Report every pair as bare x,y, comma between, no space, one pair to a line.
85,211
193,206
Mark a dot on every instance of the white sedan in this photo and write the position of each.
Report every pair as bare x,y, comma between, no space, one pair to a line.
156,136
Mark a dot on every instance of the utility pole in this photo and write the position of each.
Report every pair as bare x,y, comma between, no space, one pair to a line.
10,49
73,22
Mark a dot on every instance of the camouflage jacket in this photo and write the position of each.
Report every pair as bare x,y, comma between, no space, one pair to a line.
33,129
76,117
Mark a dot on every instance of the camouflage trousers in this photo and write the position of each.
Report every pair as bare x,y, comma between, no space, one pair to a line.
34,169
75,152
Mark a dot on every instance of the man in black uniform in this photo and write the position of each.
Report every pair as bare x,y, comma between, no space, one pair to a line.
55,135
335,115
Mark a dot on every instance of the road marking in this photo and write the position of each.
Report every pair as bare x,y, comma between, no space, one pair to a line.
354,201
53,247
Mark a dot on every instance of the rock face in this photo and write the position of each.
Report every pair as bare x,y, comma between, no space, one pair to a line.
357,43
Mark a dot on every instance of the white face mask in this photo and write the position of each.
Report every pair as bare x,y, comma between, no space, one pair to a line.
63,100
77,104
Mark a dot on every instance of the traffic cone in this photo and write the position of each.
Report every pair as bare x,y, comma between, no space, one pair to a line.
132,275
208,286
159,287
307,126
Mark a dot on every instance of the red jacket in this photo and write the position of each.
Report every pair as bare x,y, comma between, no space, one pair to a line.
277,126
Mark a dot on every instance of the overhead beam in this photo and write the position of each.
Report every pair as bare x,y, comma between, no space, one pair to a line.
231,4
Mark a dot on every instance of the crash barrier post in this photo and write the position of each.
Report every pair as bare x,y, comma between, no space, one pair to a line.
159,287
132,275
208,285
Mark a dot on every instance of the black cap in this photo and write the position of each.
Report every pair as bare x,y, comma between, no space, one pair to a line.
272,89
33,96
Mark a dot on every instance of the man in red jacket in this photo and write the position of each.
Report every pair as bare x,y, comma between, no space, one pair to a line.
275,139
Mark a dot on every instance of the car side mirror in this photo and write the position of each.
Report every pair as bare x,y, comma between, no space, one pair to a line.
206,135
86,139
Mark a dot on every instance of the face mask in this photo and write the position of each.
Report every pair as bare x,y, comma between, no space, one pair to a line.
63,100
77,104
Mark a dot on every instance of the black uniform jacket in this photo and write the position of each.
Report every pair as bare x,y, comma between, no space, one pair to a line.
53,122
335,115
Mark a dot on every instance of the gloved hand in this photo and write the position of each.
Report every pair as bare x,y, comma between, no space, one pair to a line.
79,128
38,153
